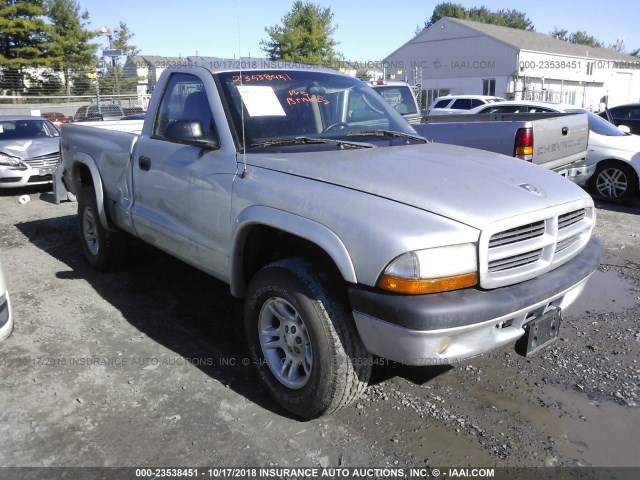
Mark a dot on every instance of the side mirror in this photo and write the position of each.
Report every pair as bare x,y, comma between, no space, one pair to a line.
191,133
624,129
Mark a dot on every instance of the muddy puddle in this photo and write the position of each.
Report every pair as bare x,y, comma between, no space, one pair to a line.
601,434
606,292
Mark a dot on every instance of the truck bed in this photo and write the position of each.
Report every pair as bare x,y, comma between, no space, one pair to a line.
560,139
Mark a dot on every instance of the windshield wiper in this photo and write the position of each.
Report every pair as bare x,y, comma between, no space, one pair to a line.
388,133
309,141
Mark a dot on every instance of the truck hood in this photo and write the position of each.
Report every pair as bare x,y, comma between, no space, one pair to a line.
30,147
471,186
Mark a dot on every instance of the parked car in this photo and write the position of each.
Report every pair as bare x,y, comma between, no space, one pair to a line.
90,113
450,104
628,115
401,97
612,152
29,151
6,320
519,106
57,118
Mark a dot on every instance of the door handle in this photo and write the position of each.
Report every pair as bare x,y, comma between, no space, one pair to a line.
144,163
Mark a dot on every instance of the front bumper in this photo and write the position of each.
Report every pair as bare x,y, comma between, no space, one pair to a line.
451,326
12,177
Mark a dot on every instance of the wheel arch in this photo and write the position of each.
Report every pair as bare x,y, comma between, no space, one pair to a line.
85,173
259,229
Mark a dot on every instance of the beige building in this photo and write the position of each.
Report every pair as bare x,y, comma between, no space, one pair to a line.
463,57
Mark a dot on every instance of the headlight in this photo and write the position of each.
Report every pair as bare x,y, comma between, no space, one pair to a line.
432,270
9,161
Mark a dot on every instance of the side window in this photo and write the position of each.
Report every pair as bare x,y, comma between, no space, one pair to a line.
184,98
476,102
619,112
634,114
507,109
442,104
462,104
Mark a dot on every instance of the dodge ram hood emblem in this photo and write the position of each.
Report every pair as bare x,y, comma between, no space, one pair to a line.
531,189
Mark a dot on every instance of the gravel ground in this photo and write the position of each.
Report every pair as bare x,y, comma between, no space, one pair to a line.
145,367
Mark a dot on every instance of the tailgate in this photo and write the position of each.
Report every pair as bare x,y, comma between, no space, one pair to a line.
560,140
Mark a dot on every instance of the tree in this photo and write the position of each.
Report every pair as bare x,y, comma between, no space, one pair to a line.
121,42
112,79
304,36
363,75
580,37
560,34
635,53
506,18
583,38
24,41
515,19
71,47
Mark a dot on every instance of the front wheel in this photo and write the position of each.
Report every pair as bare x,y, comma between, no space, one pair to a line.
303,340
615,180
104,249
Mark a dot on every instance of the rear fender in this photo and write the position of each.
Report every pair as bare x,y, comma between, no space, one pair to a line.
87,161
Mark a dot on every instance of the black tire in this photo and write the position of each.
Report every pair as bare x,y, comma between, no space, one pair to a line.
332,368
105,250
614,181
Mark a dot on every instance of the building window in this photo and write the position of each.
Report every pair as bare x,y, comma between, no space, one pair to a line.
489,86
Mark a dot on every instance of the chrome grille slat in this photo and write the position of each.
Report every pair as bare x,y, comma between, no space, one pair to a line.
518,234
570,218
515,261
50,160
519,252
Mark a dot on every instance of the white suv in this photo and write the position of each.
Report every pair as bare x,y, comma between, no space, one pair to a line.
451,104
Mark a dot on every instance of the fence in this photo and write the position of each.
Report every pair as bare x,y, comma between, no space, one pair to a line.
67,105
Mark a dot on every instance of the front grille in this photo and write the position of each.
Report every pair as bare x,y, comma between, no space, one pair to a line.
43,161
527,249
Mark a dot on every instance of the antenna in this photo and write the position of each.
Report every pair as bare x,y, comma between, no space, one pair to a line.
244,143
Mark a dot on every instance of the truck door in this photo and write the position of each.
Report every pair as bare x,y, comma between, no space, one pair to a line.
182,188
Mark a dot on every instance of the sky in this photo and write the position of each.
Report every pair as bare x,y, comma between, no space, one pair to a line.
367,30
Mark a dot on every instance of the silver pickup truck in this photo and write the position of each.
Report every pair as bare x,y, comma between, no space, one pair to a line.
349,236
554,141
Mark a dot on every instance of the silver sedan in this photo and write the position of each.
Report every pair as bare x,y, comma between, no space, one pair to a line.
29,151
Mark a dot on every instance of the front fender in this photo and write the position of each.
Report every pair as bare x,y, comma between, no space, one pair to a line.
294,224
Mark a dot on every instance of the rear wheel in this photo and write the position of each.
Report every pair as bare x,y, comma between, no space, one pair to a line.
104,249
303,340
615,180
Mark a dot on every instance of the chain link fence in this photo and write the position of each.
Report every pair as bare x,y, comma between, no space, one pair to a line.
40,90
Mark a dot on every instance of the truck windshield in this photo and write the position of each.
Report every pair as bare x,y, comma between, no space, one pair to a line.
284,104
